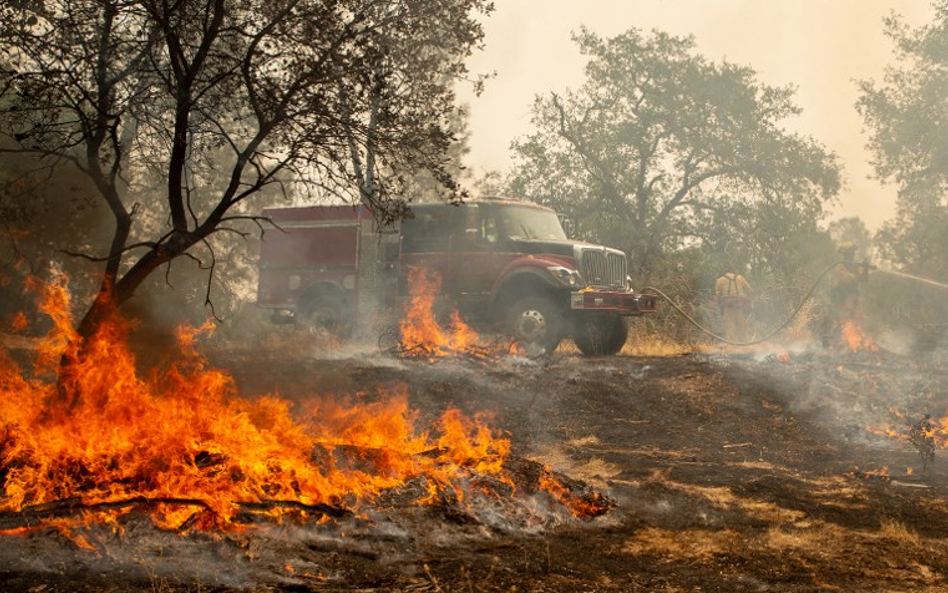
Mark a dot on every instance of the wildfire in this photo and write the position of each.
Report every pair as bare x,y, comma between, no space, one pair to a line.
95,436
880,474
581,506
423,336
857,339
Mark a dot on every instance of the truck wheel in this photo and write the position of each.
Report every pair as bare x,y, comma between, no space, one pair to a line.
327,313
600,335
536,322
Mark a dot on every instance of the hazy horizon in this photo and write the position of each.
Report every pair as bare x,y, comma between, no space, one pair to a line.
819,46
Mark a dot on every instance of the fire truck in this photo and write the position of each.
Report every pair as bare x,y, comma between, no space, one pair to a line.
505,265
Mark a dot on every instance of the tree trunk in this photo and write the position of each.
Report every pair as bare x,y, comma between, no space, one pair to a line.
103,309
68,393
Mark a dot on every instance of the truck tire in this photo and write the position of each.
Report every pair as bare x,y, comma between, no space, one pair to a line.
536,323
327,313
600,335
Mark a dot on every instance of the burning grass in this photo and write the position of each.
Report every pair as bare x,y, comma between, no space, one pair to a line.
423,337
92,441
857,339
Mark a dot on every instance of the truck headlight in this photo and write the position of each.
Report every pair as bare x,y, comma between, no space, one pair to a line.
567,276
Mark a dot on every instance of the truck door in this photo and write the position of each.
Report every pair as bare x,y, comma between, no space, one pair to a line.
425,243
478,254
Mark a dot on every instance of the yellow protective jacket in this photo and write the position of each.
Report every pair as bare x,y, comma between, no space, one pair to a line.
733,291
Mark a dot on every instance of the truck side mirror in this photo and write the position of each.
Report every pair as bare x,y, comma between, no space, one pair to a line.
567,225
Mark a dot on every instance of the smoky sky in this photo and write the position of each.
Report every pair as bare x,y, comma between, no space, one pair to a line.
819,46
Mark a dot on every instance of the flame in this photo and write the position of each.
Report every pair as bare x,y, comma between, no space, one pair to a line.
98,437
422,335
934,430
856,338
19,322
580,506
880,474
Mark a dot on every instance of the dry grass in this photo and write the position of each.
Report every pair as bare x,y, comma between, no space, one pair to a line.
692,544
583,441
899,533
656,345
724,498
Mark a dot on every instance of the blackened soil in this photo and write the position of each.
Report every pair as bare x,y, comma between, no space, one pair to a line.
730,474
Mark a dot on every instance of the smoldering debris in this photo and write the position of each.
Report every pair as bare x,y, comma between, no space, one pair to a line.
873,396
391,535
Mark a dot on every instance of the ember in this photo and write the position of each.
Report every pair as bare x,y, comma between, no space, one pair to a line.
872,475
182,446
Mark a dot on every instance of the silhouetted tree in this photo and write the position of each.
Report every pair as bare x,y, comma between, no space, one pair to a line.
659,142
907,118
852,229
292,93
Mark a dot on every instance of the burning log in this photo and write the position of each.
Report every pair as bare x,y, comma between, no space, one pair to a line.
474,353
577,496
40,514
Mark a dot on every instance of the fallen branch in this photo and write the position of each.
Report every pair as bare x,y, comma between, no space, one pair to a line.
34,515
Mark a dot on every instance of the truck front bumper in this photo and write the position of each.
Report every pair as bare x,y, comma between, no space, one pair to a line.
608,301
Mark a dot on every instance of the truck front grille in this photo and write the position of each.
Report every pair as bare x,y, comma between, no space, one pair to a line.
604,270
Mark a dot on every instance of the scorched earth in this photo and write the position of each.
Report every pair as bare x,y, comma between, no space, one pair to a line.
744,472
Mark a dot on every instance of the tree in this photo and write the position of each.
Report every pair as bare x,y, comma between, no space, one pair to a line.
223,99
43,211
659,142
426,187
907,119
853,230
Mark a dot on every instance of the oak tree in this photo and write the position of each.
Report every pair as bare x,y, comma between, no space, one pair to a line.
659,142
224,99
907,121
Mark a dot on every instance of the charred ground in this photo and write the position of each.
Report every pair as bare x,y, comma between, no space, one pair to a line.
731,474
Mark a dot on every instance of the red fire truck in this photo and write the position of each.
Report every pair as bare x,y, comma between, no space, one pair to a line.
504,264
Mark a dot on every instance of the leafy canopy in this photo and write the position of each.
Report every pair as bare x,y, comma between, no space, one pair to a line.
907,119
659,143
221,99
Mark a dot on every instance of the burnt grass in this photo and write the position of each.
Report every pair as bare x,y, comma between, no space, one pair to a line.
730,473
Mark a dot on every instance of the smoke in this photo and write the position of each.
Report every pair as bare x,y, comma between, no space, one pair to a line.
818,47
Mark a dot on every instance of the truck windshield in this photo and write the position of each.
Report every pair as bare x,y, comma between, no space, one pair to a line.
526,223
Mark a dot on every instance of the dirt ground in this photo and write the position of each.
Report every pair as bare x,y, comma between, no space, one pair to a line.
731,473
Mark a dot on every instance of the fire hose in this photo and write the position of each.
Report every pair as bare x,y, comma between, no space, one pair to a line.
773,333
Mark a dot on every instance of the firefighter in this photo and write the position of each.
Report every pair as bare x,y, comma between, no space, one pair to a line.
734,296
845,305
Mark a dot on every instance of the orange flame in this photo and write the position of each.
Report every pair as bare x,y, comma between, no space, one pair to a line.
183,444
589,506
880,474
19,322
420,331
935,429
856,338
